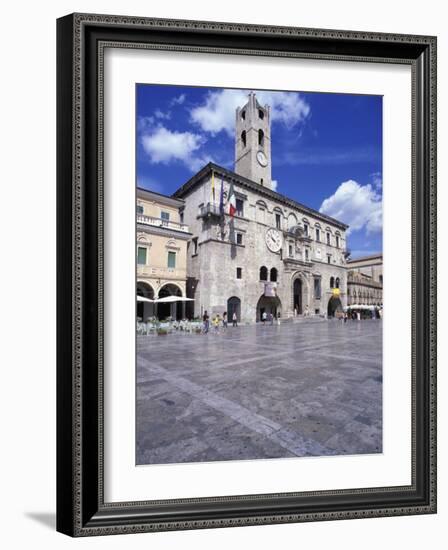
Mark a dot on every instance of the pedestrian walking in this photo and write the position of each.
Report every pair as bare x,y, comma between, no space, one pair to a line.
216,324
264,316
224,319
234,319
205,322
271,318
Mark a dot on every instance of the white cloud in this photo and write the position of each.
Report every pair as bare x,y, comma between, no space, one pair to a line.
160,114
178,100
377,180
145,123
163,146
218,112
274,185
359,206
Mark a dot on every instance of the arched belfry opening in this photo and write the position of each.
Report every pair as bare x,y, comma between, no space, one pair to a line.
243,138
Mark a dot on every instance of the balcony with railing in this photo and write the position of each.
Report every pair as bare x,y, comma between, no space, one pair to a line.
209,210
159,222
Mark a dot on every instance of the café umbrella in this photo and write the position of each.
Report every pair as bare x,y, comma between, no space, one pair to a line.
171,299
143,299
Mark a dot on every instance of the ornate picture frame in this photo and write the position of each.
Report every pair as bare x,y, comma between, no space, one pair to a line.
81,507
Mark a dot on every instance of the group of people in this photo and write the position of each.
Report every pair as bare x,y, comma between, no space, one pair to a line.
270,318
217,321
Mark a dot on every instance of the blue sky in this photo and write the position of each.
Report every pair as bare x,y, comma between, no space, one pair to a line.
326,148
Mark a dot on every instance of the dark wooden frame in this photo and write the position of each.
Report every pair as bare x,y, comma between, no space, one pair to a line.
81,510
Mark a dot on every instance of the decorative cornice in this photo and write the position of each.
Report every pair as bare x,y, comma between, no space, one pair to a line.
164,231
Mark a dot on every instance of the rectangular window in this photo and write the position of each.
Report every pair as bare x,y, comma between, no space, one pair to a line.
195,245
328,259
328,238
307,255
290,249
278,221
240,207
140,209
171,259
317,235
261,215
239,272
337,241
165,216
239,238
141,255
317,289
305,229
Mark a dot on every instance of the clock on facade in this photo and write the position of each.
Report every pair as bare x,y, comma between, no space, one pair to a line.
261,157
273,240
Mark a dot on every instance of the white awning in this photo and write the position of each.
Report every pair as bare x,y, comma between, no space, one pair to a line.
143,299
170,299
361,306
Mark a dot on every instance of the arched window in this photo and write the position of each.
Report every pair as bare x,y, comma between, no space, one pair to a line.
273,275
260,114
243,115
337,282
292,220
260,137
263,273
331,282
243,137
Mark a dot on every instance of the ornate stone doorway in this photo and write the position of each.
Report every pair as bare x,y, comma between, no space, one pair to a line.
298,296
334,305
233,306
268,304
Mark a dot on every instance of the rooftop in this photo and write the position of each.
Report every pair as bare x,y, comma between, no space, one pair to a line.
378,255
253,186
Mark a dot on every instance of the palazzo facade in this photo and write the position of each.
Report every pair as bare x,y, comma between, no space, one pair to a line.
274,254
162,240
365,280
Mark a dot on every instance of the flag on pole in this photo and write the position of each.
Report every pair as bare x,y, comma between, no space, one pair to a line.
213,187
221,199
232,201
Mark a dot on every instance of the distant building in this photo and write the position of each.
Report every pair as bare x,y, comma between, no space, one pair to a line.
161,254
365,280
274,255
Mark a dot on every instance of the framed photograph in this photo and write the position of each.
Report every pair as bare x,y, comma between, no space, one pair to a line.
246,274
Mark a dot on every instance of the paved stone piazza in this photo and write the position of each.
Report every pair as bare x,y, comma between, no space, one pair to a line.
306,388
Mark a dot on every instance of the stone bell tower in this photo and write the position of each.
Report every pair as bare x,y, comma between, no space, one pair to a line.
253,142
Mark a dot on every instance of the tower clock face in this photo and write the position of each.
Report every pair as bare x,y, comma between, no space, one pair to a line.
273,240
262,160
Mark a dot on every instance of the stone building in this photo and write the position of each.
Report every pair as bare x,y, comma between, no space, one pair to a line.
274,255
161,254
365,280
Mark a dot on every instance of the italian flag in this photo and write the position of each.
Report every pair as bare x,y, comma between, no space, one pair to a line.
232,201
